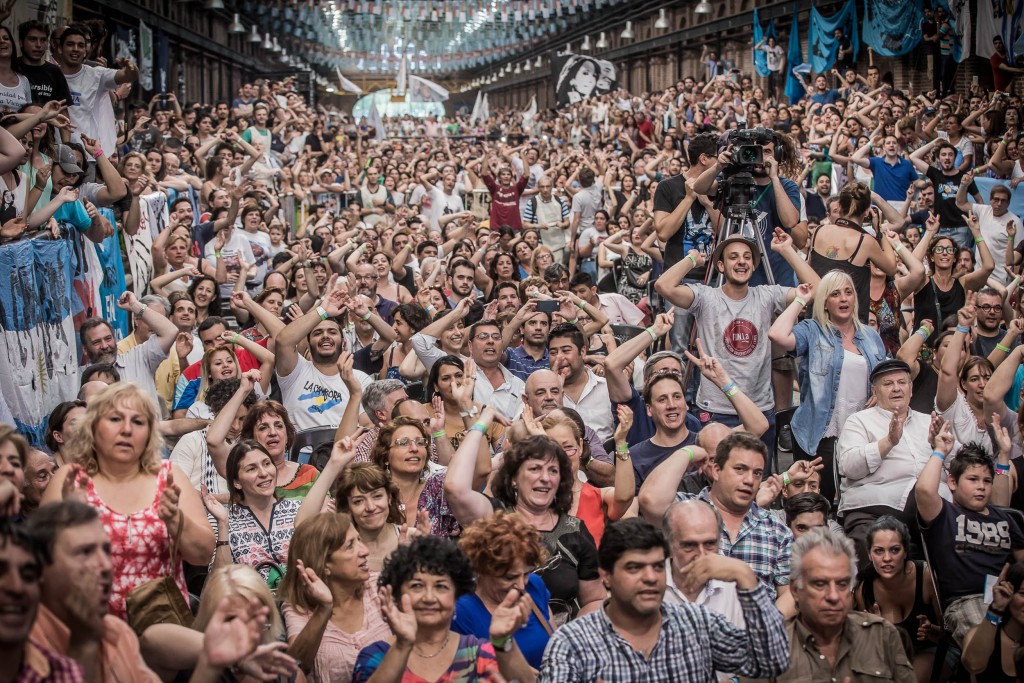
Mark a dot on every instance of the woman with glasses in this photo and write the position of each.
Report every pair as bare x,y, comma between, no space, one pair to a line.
945,292
535,480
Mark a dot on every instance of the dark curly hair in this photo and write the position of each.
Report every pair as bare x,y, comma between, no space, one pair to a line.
221,392
268,407
534,448
430,555
415,315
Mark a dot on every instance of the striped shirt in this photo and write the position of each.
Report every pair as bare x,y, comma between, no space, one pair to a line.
694,642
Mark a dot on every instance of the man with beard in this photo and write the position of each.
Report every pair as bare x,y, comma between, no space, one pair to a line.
634,636
73,617
312,390
508,297
39,469
731,320
827,639
532,354
583,390
139,364
460,281
20,577
544,395
989,334
366,285
892,173
946,179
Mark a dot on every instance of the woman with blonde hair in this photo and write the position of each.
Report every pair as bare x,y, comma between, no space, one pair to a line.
541,259
144,502
838,352
219,363
169,649
330,608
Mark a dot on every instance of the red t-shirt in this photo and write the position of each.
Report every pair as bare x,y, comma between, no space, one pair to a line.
647,128
505,202
1002,79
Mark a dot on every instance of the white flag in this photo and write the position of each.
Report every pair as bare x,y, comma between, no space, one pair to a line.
530,112
346,84
423,90
403,84
476,108
485,109
374,120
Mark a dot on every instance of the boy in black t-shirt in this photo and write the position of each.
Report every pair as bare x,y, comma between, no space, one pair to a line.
968,540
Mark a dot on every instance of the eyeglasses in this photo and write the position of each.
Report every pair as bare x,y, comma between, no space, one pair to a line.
484,336
989,308
570,450
405,441
944,250
366,278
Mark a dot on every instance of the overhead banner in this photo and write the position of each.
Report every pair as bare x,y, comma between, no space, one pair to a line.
38,344
579,77
1003,19
822,45
892,28
145,57
422,90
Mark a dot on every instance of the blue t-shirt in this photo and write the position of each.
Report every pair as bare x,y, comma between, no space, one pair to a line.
646,456
473,618
828,97
643,426
767,219
891,182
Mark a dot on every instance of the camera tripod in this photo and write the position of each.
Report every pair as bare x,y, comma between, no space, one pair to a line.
737,207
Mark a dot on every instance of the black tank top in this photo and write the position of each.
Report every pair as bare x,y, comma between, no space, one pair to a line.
909,624
931,303
1017,497
993,673
861,275
926,387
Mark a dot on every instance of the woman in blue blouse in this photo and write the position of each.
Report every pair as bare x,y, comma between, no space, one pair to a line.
837,354
504,550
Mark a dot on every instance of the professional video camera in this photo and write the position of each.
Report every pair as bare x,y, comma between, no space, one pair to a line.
747,148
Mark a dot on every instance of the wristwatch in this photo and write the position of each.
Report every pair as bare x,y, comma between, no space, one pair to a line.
503,645
472,412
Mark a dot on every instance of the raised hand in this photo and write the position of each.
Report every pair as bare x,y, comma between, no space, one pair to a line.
346,361
234,633
769,490
511,615
167,508
1003,592
801,470
314,585
709,366
967,314
940,435
343,452
895,432
462,391
1002,436
248,381
806,292
400,618
781,240
531,422
214,506
625,415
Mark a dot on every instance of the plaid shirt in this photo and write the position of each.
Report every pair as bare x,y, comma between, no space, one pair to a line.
764,543
43,666
693,643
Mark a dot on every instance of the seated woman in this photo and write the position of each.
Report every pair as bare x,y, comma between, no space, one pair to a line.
172,650
504,551
330,609
900,590
990,651
420,585
256,527
220,363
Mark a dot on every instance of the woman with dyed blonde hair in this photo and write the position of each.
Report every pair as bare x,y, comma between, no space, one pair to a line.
144,501
839,352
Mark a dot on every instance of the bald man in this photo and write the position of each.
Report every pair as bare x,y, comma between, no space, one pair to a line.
707,438
696,572
90,389
544,394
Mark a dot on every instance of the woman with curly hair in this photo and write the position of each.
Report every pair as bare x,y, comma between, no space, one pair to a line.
535,480
144,501
419,587
505,551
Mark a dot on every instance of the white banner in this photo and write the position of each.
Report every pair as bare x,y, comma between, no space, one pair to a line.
145,57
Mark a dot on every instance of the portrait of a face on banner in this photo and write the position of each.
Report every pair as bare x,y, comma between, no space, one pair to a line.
579,77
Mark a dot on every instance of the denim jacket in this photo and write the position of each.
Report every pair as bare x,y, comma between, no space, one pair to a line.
821,352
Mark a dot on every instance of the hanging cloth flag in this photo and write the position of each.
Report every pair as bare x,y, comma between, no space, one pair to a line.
476,107
375,121
892,28
485,110
422,90
760,56
794,89
530,113
347,85
822,44
403,80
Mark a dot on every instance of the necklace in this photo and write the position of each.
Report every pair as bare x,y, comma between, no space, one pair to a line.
439,650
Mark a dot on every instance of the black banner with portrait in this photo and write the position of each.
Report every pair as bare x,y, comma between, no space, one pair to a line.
580,77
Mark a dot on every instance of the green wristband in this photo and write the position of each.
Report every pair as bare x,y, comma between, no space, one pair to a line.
650,331
1000,347
693,259
438,435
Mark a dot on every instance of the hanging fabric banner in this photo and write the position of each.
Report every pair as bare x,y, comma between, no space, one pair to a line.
38,344
892,28
822,45
375,121
125,46
760,56
162,62
794,88
579,77
1001,19
145,57
422,90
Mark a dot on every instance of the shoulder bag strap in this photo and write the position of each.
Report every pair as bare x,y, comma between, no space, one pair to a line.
541,618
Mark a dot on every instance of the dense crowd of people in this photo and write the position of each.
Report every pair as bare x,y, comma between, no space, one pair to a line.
515,397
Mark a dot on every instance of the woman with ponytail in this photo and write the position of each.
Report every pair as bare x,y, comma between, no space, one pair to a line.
847,246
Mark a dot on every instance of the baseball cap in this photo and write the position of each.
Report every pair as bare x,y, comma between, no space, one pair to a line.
65,157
